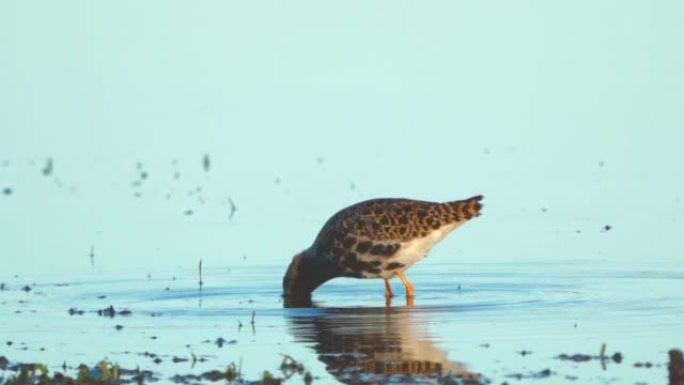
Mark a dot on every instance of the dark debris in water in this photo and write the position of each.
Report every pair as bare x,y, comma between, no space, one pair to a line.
206,162
74,311
106,312
157,358
545,373
221,341
233,208
676,367
575,357
111,312
646,365
48,168
616,357
7,191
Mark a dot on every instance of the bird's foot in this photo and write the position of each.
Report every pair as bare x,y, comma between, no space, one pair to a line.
388,289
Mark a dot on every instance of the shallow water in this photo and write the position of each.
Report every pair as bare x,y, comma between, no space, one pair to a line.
496,322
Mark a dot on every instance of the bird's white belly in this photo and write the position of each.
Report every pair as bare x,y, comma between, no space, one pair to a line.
414,250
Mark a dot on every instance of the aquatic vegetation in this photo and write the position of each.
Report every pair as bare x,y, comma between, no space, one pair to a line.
104,373
30,374
232,372
290,366
268,379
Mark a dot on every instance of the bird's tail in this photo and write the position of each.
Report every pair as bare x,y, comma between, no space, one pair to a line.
466,209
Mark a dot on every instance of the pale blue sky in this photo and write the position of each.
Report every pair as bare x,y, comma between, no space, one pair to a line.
438,100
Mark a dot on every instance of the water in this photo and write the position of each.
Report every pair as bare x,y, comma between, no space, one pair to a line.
496,322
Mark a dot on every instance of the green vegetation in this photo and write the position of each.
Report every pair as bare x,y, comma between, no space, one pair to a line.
103,374
106,373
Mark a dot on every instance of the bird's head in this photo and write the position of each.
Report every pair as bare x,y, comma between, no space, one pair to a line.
305,273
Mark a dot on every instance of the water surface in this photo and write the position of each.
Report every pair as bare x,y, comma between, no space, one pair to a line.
479,321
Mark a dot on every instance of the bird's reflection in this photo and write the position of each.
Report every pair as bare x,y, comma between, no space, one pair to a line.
376,345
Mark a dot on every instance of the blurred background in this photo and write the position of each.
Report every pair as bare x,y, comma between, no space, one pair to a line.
152,134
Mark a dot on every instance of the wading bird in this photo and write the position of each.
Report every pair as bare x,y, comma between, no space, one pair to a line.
378,238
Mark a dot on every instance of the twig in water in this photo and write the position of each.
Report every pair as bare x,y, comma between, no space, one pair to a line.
206,162
602,356
233,208
47,170
200,275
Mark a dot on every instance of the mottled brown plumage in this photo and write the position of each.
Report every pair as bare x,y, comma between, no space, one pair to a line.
377,238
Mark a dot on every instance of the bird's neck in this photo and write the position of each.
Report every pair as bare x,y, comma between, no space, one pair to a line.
306,273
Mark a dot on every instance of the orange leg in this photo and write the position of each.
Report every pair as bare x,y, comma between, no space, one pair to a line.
409,286
388,289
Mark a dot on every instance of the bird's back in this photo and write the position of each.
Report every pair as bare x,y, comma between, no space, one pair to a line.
376,236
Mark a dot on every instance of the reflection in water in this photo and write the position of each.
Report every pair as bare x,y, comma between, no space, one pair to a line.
376,345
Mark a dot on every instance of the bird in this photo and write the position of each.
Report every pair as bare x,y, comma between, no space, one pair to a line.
377,238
